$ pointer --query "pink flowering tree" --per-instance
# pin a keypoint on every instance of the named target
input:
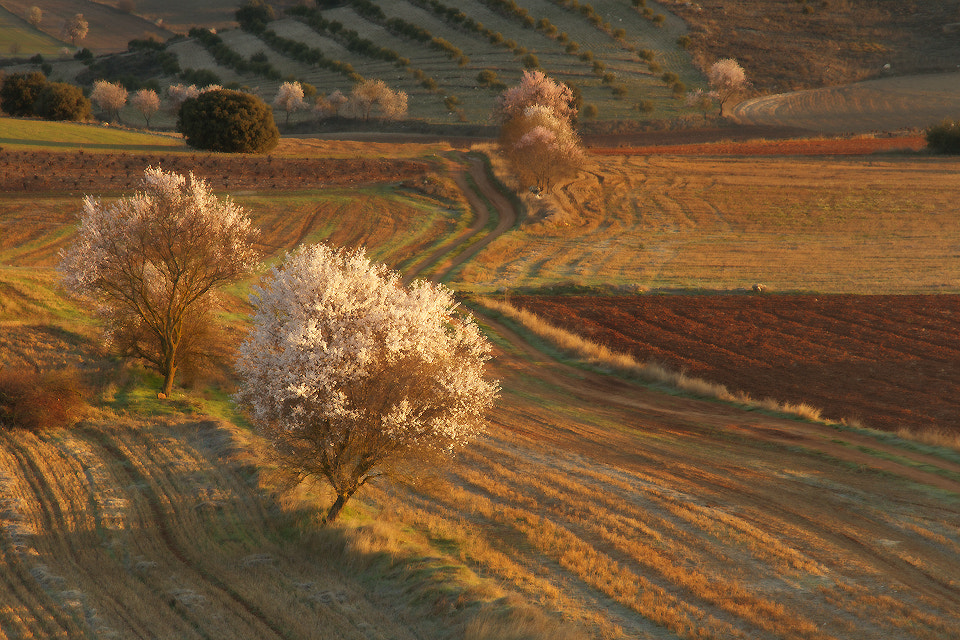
(726, 79)
(109, 96)
(549, 148)
(147, 102)
(535, 88)
(351, 375)
(536, 132)
(153, 261)
(290, 98)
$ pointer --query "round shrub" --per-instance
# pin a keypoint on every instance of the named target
(62, 101)
(944, 137)
(230, 121)
(20, 91)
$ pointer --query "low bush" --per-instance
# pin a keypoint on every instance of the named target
(39, 401)
(62, 101)
(944, 137)
(229, 121)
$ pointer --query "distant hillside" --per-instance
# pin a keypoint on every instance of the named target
(799, 44)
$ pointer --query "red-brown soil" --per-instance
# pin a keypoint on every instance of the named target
(889, 361)
(808, 147)
(79, 172)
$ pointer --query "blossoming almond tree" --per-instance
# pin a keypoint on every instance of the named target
(152, 260)
(147, 102)
(726, 78)
(290, 98)
(350, 375)
(109, 96)
(536, 133)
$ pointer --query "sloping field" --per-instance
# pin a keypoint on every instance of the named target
(890, 362)
(887, 104)
(645, 516)
(867, 224)
(110, 29)
(18, 37)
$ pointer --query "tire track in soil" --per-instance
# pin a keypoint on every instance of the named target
(671, 412)
(506, 219)
(260, 625)
(54, 520)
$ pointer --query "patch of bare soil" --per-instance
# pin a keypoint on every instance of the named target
(890, 361)
(805, 147)
(79, 172)
(785, 45)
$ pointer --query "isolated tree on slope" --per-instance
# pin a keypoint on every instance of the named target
(76, 28)
(153, 260)
(147, 102)
(35, 16)
(727, 79)
(290, 98)
(352, 376)
(549, 148)
(536, 133)
(109, 96)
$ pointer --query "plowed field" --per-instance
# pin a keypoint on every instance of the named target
(84, 172)
(889, 361)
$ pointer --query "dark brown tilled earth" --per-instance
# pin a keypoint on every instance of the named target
(888, 361)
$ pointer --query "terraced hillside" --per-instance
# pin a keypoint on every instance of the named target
(434, 51)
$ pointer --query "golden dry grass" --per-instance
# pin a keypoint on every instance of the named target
(871, 224)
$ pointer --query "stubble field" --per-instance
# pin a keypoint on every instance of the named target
(593, 507)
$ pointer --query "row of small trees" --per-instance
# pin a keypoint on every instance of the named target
(349, 374)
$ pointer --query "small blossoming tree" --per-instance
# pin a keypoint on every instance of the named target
(350, 375)
(147, 102)
(109, 96)
(153, 261)
(727, 79)
(290, 98)
(537, 134)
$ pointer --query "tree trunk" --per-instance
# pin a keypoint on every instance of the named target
(336, 507)
(171, 370)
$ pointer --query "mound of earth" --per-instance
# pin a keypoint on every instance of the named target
(888, 361)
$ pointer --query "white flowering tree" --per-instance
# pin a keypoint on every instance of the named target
(109, 96)
(726, 79)
(153, 261)
(147, 102)
(535, 88)
(290, 98)
(350, 375)
(375, 93)
(76, 28)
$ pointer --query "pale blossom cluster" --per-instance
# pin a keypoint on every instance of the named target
(109, 96)
(726, 78)
(535, 88)
(177, 94)
(375, 93)
(152, 258)
(537, 134)
(147, 102)
(548, 147)
(289, 98)
(341, 351)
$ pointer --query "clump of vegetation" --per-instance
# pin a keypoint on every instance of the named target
(19, 91)
(62, 101)
(39, 401)
(230, 121)
(944, 137)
